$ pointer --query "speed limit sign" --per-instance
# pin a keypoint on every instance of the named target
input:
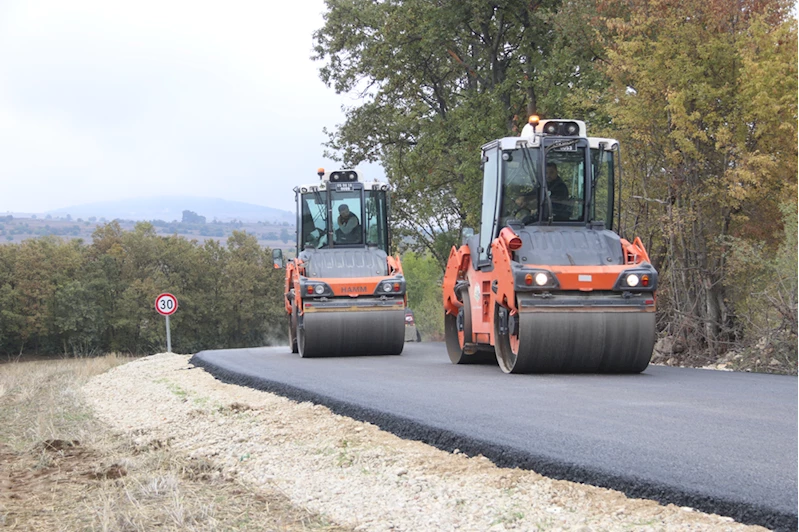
(166, 304)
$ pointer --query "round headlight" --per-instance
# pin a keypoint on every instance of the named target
(541, 279)
(319, 289)
(352, 176)
(632, 280)
(386, 287)
(572, 129)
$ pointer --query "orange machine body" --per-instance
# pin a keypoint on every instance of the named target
(344, 293)
(547, 285)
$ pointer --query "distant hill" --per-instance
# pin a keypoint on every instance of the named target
(169, 208)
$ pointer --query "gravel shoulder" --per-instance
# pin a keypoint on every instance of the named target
(351, 472)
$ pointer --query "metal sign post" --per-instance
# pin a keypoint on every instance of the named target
(168, 336)
(166, 304)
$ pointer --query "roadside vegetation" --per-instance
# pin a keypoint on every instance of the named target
(424, 278)
(62, 469)
(70, 299)
(67, 298)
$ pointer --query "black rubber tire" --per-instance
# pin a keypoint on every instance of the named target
(454, 346)
(418, 336)
(506, 357)
(293, 329)
(301, 343)
(455, 350)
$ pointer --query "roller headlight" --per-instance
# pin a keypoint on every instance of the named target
(641, 279)
(529, 279)
(316, 289)
(391, 286)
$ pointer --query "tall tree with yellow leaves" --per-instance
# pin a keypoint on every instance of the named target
(703, 95)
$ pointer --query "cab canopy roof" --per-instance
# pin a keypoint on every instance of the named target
(332, 180)
(339, 176)
(536, 129)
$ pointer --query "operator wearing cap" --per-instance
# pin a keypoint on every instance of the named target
(349, 228)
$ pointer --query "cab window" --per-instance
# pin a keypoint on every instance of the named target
(375, 219)
(565, 177)
(346, 214)
(313, 221)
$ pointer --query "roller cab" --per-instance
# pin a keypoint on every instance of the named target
(345, 294)
(546, 285)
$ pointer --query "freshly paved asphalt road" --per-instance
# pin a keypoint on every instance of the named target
(717, 441)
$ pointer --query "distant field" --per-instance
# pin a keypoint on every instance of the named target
(15, 230)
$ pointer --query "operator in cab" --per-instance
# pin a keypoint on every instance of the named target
(349, 227)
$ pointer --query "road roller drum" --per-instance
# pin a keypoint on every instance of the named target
(375, 332)
(578, 342)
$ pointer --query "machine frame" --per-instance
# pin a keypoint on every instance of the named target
(517, 286)
(344, 296)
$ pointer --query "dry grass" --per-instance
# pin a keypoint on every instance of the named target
(61, 469)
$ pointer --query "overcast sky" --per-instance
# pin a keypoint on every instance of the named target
(105, 100)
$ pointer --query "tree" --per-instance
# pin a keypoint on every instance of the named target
(439, 79)
(41, 266)
(423, 276)
(698, 91)
(252, 294)
(78, 319)
(191, 217)
(11, 315)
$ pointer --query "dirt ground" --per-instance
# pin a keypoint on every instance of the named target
(346, 473)
(156, 444)
(62, 469)
(68, 486)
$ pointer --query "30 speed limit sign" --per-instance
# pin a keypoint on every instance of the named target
(166, 304)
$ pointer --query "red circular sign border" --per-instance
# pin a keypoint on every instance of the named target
(159, 310)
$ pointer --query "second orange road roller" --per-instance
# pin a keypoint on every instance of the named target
(344, 292)
(547, 286)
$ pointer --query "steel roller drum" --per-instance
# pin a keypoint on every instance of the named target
(580, 342)
(344, 333)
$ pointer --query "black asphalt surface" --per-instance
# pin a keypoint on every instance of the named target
(720, 442)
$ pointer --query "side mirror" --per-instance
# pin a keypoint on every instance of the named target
(277, 258)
